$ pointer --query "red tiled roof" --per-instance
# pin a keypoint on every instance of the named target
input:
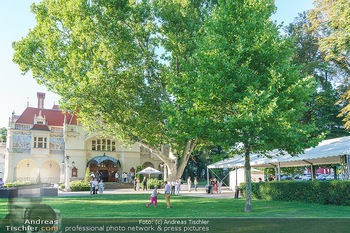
(56, 106)
(53, 117)
(40, 127)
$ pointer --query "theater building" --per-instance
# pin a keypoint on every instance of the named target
(40, 140)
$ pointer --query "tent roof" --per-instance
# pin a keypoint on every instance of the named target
(327, 152)
(149, 170)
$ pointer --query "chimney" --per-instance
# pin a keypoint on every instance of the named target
(41, 97)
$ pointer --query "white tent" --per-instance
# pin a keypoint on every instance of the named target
(330, 151)
(149, 171)
(327, 152)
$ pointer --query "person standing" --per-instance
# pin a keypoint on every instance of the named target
(135, 183)
(167, 194)
(94, 186)
(189, 183)
(116, 177)
(173, 183)
(101, 186)
(144, 183)
(97, 176)
(178, 183)
(195, 183)
(219, 187)
(154, 197)
(101, 175)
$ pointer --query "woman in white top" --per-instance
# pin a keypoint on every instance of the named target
(189, 183)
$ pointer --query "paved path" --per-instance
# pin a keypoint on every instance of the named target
(199, 193)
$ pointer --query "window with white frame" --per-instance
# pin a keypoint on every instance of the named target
(40, 142)
(103, 145)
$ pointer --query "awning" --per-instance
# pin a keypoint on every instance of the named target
(327, 152)
(101, 159)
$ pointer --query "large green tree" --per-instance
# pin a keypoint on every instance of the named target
(243, 86)
(323, 111)
(99, 56)
(330, 23)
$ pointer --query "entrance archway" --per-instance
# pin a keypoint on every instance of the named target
(50, 172)
(105, 164)
(27, 170)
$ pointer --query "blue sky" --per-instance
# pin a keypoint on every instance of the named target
(15, 22)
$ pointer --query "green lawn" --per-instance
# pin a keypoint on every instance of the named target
(133, 205)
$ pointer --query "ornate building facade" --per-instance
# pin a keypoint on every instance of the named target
(40, 140)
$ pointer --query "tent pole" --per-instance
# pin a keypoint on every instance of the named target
(236, 179)
(207, 176)
(279, 171)
(348, 164)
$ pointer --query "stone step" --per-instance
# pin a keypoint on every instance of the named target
(114, 185)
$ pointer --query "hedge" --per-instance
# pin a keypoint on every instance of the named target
(335, 192)
(77, 185)
(152, 182)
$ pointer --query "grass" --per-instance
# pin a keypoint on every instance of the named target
(133, 206)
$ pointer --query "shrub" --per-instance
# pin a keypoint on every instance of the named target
(77, 185)
(320, 192)
(152, 182)
(18, 183)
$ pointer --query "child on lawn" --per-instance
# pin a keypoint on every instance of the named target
(154, 197)
(101, 186)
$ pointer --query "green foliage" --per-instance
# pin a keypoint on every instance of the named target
(77, 185)
(87, 177)
(152, 182)
(3, 134)
(319, 192)
(18, 183)
(139, 176)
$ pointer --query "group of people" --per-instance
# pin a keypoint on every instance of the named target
(125, 177)
(214, 186)
(137, 183)
(167, 194)
(96, 185)
(97, 175)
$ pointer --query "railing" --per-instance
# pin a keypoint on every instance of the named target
(23, 127)
(56, 130)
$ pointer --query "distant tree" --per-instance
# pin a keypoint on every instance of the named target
(330, 23)
(3, 133)
(323, 112)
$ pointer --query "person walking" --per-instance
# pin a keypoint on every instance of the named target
(189, 183)
(154, 197)
(167, 194)
(195, 183)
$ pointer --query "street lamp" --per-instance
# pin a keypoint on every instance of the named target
(67, 167)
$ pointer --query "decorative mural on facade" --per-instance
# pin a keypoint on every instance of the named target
(56, 143)
(21, 143)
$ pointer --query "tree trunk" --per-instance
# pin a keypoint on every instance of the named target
(248, 197)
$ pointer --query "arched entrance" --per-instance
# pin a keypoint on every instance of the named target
(105, 164)
(50, 172)
(27, 170)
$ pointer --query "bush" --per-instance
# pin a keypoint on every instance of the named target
(320, 192)
(152, 182)
(18, 183)
(77, 185)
